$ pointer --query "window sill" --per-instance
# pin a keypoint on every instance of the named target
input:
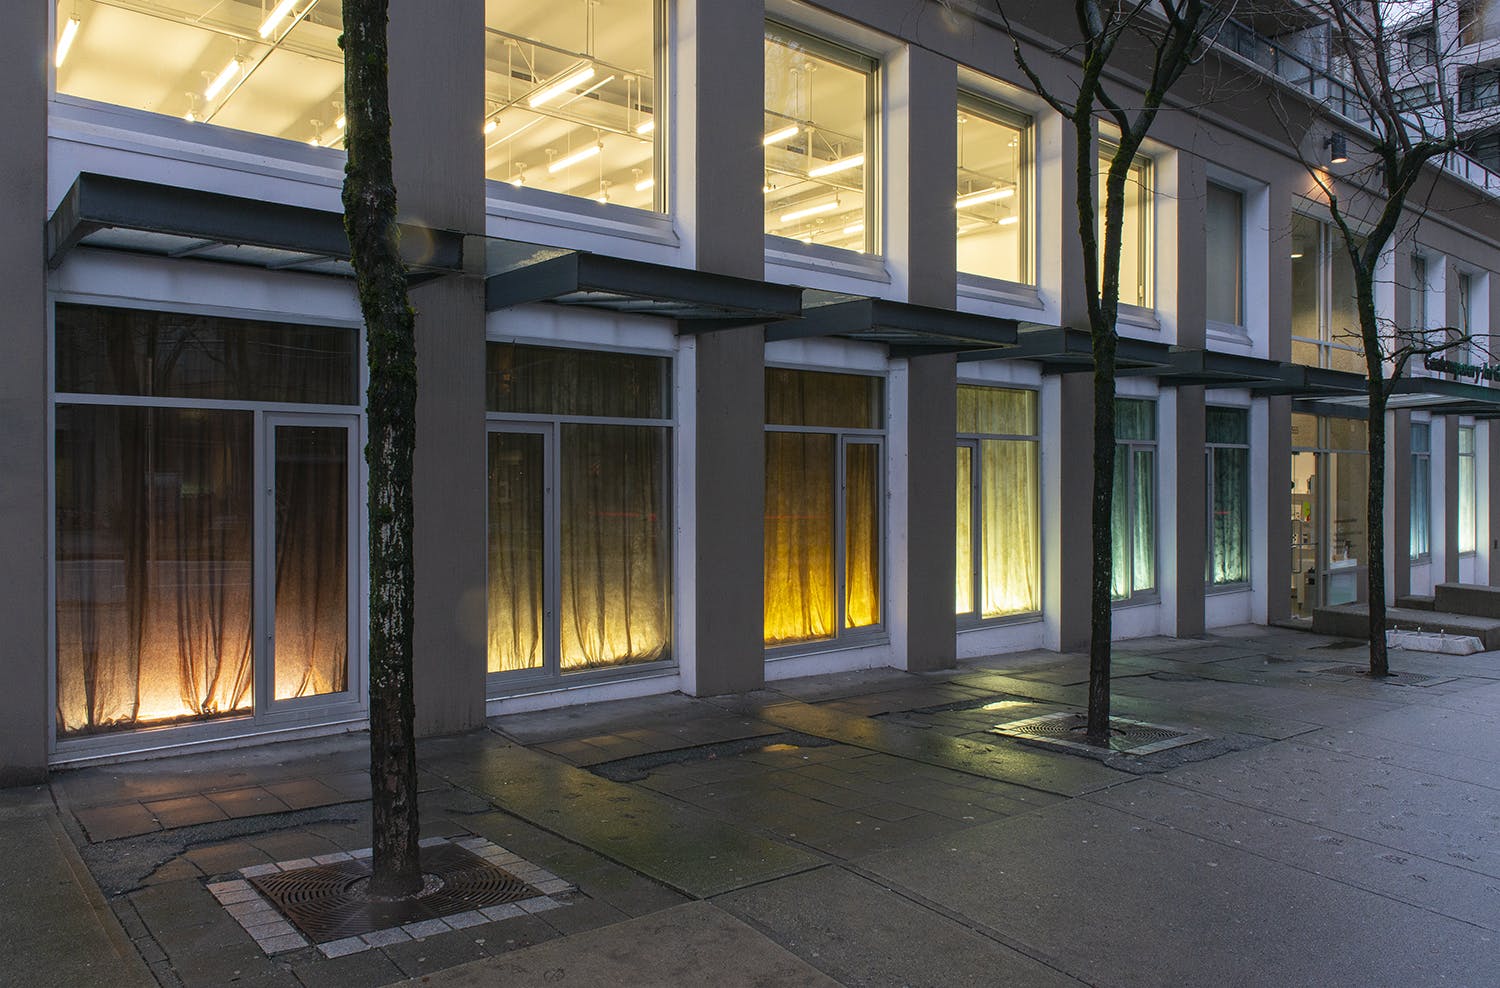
(982, 289)
(501, 686)
(1225, 589)
(1136, 317)
(574, 213)
(784, 252)
(845, 644)
(1229, 335)
(1004, 621)
(1419, 560)
(1142, 600)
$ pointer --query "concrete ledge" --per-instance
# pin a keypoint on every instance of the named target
(1353, 621)
(1468, 598)
(1416, 602)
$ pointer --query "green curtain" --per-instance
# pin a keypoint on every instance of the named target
(1229, 515)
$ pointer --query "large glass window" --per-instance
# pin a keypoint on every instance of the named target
(178, 588)
(1330, 511)
(579, 509)
(1421, 491)
(1418, 295)
(999, 555)
(1226, 248)
(1228, 454)
(572, 98)
(819, 141)
(1134, 519)
(1468, 499)
(1136, 243)
(993, 202)
(1325, 316)
(267, 67)
(825, 487)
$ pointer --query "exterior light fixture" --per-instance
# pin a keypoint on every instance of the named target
(561, 86)
(1338, 147)
(834, 167)
(569, 160)
(783, 134)
(65, 42)
(275, 17)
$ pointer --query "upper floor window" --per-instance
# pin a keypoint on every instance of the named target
(1468, 499)
(1421, 47)
(1325, 318)
(1226, 255)
(819, 141)
(993, 199)
(1135, 242)
(267, 67)
(1478, 89)
(1418, 293)
(572, 98)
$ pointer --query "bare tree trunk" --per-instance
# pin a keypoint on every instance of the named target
(1375, 531)
(1101, 596)
(370, 220)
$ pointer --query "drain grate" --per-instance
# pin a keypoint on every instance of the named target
(1394, 679)
(1068, 730)
(330, 902)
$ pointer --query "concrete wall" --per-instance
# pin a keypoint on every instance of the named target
(439, 165)
(24, 658)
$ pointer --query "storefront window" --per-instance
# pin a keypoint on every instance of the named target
(271, 68)
(999, 557)
(1228, 453)
(819, 141)
(1134, 518)
(1467, 494)
(572, 100)
(993, 201)
(825, 484)
(1325, 316)
(1421, 490)
(1136, 243)
(579, 509)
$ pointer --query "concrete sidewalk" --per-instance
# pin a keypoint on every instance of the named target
(862, 829)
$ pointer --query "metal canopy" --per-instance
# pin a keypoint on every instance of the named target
(518, 273)
(1430, 394)
(909, 330)
(1300, 381)
(1064, 351)
(170, 221)
(1187, 367)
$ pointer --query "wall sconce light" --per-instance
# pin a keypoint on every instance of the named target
(1338, 147)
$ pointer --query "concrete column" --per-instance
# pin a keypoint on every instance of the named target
(1397, 506)
(719, 127)
(24, 656)
(1189, 311)
(1071, 567)
(922, 251)
(1449, 494)
(1278, 479)
(437, 104)
(1489, 484)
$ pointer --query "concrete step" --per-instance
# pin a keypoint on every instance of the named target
(1353, 621)
(1467, 598)
(1417, 602)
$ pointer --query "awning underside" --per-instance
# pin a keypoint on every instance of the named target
(909, 330)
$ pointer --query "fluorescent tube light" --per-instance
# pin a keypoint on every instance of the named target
(800, 214)
(784, 134)
(854, 228)
(644, 184)
(833, 167)
(983, 196)
(225, 77)
(646, 127)
(561, 86)
(491, 125)
(275, 17)
(65, 43)
(1009, 220)
(569, 160)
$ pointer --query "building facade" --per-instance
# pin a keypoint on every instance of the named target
(745, 331)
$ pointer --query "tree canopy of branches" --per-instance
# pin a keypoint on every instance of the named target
(1166, 37)
(1376, 198)
(380, 276)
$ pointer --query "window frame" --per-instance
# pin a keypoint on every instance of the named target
(1238, 325)
(843, 437)
(987, 108)
(1146, 203)
(1471, 489)
(1130, 447)
(1210, 451)
(1421, 464)
(974, 618)
(1325, 342)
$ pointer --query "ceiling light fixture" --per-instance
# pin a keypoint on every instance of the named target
(569, 160)
(1297, 255)
(225, 77)
(644, 184)
(854, 228)
(784, 134)
(834, 167)
(983, 196)
(275, 17)
(65, 43)
(646, 127)
(1009, 220)
(491, 125)
(561, 86)
(801, 214)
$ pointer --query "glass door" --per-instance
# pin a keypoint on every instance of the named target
(310, 558)
(519, 544)
(1306, 529)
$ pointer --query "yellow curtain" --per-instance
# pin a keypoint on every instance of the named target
(799, 527)
(515, 551)
(861, 535)
(963, 571)
(1009, 528)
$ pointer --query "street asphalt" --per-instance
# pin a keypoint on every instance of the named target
(860, 829)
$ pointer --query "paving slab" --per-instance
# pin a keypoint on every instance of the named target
(659, 837)
(1111, 898)
(691, 945)
(58, 930)
(859, 932)
(1032, 768)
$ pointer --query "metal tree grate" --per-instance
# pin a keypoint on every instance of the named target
(1069, 730)
(330, 902)
(1394, 679)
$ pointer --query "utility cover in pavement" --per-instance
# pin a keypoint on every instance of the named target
(1067, 730)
